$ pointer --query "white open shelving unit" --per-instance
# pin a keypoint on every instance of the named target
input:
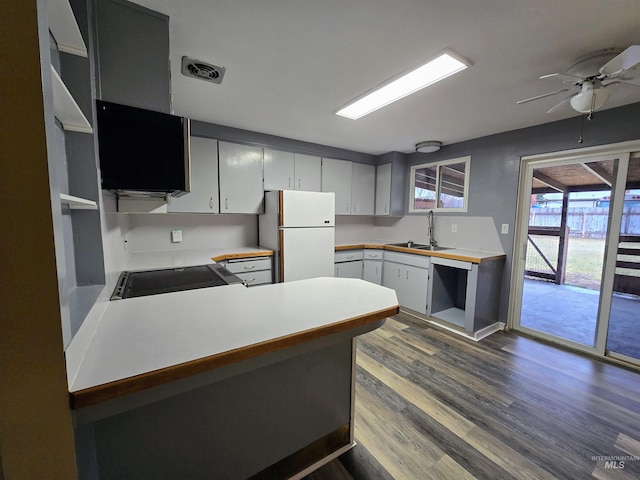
(77, 203)
(64, 29)
(65, 107)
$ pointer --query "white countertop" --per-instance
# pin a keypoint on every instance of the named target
(184, 258)
(475, 256)
(140, 335)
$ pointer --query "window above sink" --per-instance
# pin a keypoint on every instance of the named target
(440, 186)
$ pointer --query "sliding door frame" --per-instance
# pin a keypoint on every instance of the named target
(619, 151)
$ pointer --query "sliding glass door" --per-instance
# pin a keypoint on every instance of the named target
(623, 334)
(576, 268)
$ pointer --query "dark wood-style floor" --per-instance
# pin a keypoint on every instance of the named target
(430, 404)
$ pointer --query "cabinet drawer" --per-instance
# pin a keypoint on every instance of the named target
(248, 265)
(256, 278)
(348, 256)
(373, 254)
(407, 259)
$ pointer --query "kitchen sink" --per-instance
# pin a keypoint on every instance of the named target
(433, 249)
(409, 245)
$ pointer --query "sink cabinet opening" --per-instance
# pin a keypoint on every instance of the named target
(449, 294)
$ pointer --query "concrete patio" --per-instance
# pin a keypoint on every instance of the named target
(571, 312)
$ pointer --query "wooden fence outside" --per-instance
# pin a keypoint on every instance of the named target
(586, 222)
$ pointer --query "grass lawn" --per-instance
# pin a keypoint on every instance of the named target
(584, 259)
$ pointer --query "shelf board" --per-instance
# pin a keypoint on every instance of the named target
(77, 203)
(65, 107)
(452, 315)
(64, 28)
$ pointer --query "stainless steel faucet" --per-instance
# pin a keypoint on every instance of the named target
(432, 240)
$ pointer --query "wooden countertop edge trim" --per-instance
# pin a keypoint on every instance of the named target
(126, 386)
(229, 256)
(425, 253)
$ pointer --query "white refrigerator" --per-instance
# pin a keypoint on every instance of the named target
(299, 227)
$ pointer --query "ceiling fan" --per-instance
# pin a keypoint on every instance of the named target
(592, 76)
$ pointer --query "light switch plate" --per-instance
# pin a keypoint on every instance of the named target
(505, 228)
(454, 228)
(176, 235)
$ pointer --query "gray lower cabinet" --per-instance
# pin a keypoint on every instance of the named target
(408, 275)
(252, 271)
(349, 264)
(465, 294)
(372, 271)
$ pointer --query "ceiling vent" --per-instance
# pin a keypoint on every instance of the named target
(202, 70)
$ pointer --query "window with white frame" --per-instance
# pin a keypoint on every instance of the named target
(440, 186)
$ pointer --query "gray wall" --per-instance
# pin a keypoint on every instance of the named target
(221, 132)
(495, 165)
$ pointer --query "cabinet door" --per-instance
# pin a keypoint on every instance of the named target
(372, 271)
(336, 177)
(308, 172)
(203, 197)
(240, 178)
(392, 274)
(362, 188)
(415, 288)
(349, 269)
(278, 170)
(383, 189)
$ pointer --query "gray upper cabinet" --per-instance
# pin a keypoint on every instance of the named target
(133, 55)
(308, 173)
(336, 177)
(362, 188)
(291, 171)
(383, 189)
(241, 184)
(203, 197)
(391, 185)
(279, 170)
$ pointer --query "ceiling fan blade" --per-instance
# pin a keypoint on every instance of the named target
(557, 106)
(565, 77)
(628, 59)
(541, 96)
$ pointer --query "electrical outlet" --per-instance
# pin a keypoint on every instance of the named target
(176, 235)
(505, 228)
(454, 228)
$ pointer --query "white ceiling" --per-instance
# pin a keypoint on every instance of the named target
(291, 63)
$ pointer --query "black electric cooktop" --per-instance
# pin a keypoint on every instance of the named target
(153, 282)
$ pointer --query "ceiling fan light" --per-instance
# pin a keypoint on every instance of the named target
(592, 97)
(428, 146)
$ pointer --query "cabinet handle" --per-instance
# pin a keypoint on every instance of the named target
(298, 184)
(250, 267)
(371, 255)
(349, 257)
(347, 205)
(407, 274)
(251, 280)
(226, 204)
(289, 182)
(376, 269)
(386, 207)
(210, 203)
(398, 273)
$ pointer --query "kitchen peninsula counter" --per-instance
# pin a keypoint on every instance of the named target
(147, 341)
(224, 382)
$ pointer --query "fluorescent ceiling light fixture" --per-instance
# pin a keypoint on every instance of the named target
(444, 65)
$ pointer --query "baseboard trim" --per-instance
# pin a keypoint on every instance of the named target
(475, 336)
(310, 458)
